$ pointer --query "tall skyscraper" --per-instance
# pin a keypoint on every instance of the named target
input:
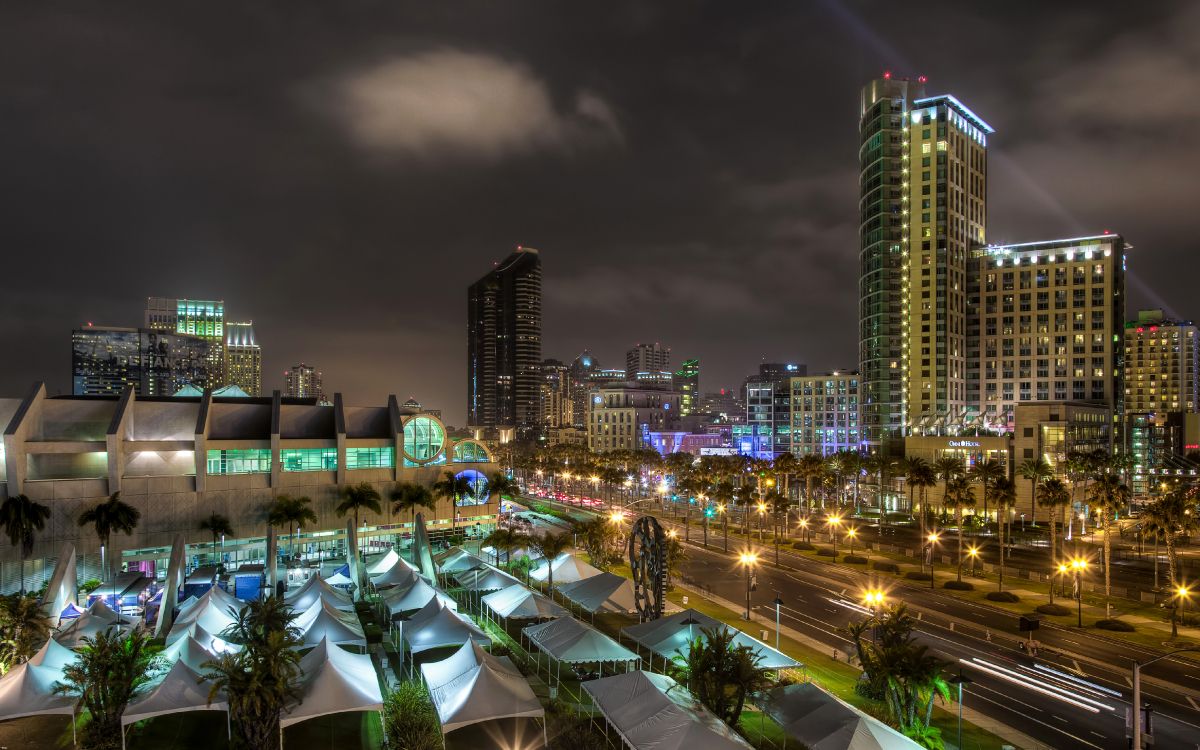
(156, 363)
(556, 395)
(647, 358)
(1162, 364)
(243, 358)
(504, 345)
(203, 318)
(304, 381)
(922, 208)
(581, 370)
(687, 384)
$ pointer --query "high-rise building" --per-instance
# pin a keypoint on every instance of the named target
(922, 208)
(768, 429)
(647, 358)
(723, 406)
(687, 383)
(556, 395)
(580, 371)
(156, 363)
(773, 372)
(825, 414)
(1162, 364)
(504, 345)
(304, 381)
(243, 358)
(203, 318)
(622, 417)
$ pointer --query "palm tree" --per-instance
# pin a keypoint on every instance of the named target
(720, 672)
(409, 496)
(550, 546)
(1108, 496)
(1005, 494)
(22, 517)
(114, 514)
(454, 488)
(291, 513)
(499, 485)
(1035, 470)
(921, 477)
(1054, 495)
(359, 497)
(110, 669)
(948, 467)
(987, 472)
(24, 627)
(959, 494)
(883, 467)
(810, 467)
(503, 540)
(1167, 518)
(217, 525)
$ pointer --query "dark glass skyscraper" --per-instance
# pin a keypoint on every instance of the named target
(504, 344)
(155, 363)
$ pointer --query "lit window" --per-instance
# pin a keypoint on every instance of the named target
(248, 461)
(370, 458)
(308, 459)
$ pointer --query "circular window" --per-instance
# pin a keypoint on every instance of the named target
(470, 452)
(479, 487)
(423, 439)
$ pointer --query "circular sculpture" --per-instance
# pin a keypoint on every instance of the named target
(648, 562)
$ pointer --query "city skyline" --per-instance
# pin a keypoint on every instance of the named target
(717, 162)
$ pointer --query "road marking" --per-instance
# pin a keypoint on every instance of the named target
(1127, 679)
(1064, 721)
(1192, 700)
(1078, 669)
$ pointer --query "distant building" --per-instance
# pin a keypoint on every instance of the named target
(105, 359)
(723, 406)
(647, 358)
(622, 417)
(687, 383)
(825, 414)
(767, 431)
(580, 371)
(202, 318)
(558, 408)
(774, 372)
(504, 345)
(305, 381)
(243, 358)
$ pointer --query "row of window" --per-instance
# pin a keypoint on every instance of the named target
(258, 460)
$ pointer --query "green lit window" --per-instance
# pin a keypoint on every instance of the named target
(242, 461)
(309, 459)
(423, 438)
(370, 458)
(470, 452)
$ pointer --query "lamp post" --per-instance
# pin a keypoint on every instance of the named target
(973, 553)
(873, 598)
(804, 525)
(1063, 569)
(1180, 609)
(851, 534)
(1079, 565)
(833, 524)
(762, 512)
(933, 540)
(961, 680)
(778, 604)
(1137, 692)
(724, 525)
(748, 560)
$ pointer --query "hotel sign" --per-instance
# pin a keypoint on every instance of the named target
(964, 444)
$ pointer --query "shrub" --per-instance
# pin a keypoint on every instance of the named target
(855, 560)
(807, 546)
(409, 720)
(958, 586)
(826, 552)
(1054, 609)
(89, 585)
(1002, 596)
(886, 567)
(917, 575)
(373, 633)
(1118, 626)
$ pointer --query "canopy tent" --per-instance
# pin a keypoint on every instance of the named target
(669, 635)
(189, 651)
(28, 690)
(567, 569)
(334, 681)
(214, 612)
(607, 592)
(54, 655)
(436, 626)
(98, 618)
(389, 559)
(822, 722)
(457, 560)
(473, 686)
(69, 612)
(63, 590)
(399, 600)
(653, 712)
(484, 579)
(509, 555)
(400, 574)
(519, 603)
(322, 622)
(182, 689)
(339, 579)
(317, 588)
(211, 643)
(570, 641)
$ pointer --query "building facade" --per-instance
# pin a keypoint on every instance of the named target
(825, 414)
(558, 406)
(104, 360)
(305, 381)
(651, 359)
(622, 417)
(202, 318)
(243, 358)
(687, 382)
(504, 345)
(767, 431)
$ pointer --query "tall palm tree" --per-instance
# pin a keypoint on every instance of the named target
(499, 485)
(1108, 496)
(921, 477)
(1004, 491)
(454, 488)
(291, 513)
(217, 525)
(107, 674)
(720, 672)
(359, 497)
(987, 472)
(24, 627)
(503, 540)
(959, 494)
(1035, 470)
(883, 467)
(1053, 496)
(723, 493)
(1167, 518)
(407, 497)
(550, 546)
(21, 518)
(114, 514)
(810, 467)
(948, 467)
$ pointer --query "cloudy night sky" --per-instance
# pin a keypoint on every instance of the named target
(341, 172)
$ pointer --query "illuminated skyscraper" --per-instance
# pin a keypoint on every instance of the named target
(243, 358)
(687, 384)
(304, 381)
(203, 318)
(504, 345)
(156, 363)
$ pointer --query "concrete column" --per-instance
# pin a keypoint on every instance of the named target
(118, 428)
(17, 433)
(276, 461)
(200, 446)
(339, 427)
(397, 430)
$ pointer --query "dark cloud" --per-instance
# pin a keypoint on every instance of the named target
(341, 172)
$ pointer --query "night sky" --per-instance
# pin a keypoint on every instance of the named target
(340, 172)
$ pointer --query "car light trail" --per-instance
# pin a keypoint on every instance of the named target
(1079, 681)
(1079, 701)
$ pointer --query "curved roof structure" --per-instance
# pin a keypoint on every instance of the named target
(472, 686)
(334, 681)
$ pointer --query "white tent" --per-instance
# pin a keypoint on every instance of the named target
(189, 651)
(457, 560)
(28, 690)
(473, 686)
(96, 619)
(399, 600)
(214, 612)
(567, 569)
(436, 626)
(569, 640)
(209, 642)
(519, 603)
(668, 635)
(822, 722)
(515, 554)
(54, 655)
(182, 689)
(322, 622)
(399, 574)
(389, 559)
(607, 592)
(339, 579)
(334, 681)
(653, 712)
(317, 588)
(484, 578)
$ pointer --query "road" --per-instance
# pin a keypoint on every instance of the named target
(1080, 704)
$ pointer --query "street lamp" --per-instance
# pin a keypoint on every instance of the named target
(973, 553)
(1137, 693)
(762, 512)
(778, 605)
(1063, 569)
(851, 533)
(873, 598)
(748, 561)
(1180, 609)
(961, 680)
(833, 524)
(1079, 565)
(933, 540)
(724, 525)
(804, 525)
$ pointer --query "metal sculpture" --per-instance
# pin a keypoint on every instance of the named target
(648, 562)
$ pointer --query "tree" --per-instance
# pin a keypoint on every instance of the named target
(550, 546)
(720, 672)
(217, 525)
(21, 518)
(409, 721)
(24, 627)
(959, 494)
(114, 514)
(291, 513)
(108, 672)
(262, 679)
(359, 497)
(1053, 496)
(948, 467)
(1035, 470)
(1108, 496)
(810, 467)
(987, 472)
(919, 475)
(407, 497)
(503, 540)
(1005, 493)
(454, 487)
(883, 467)
(499, 485)
(1167, 518)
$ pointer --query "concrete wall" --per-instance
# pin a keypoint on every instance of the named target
(162, 421)
(367, 422)
(239, 421)
(159, 463)
(82, 419)
(306, 422)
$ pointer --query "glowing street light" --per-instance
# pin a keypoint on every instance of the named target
(804, 525)
(1182, 594)
(833, 524)
(1079, 565)
(933, 540)
(616, 517)
(724, 526)
(851, 534)
(748, 560)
